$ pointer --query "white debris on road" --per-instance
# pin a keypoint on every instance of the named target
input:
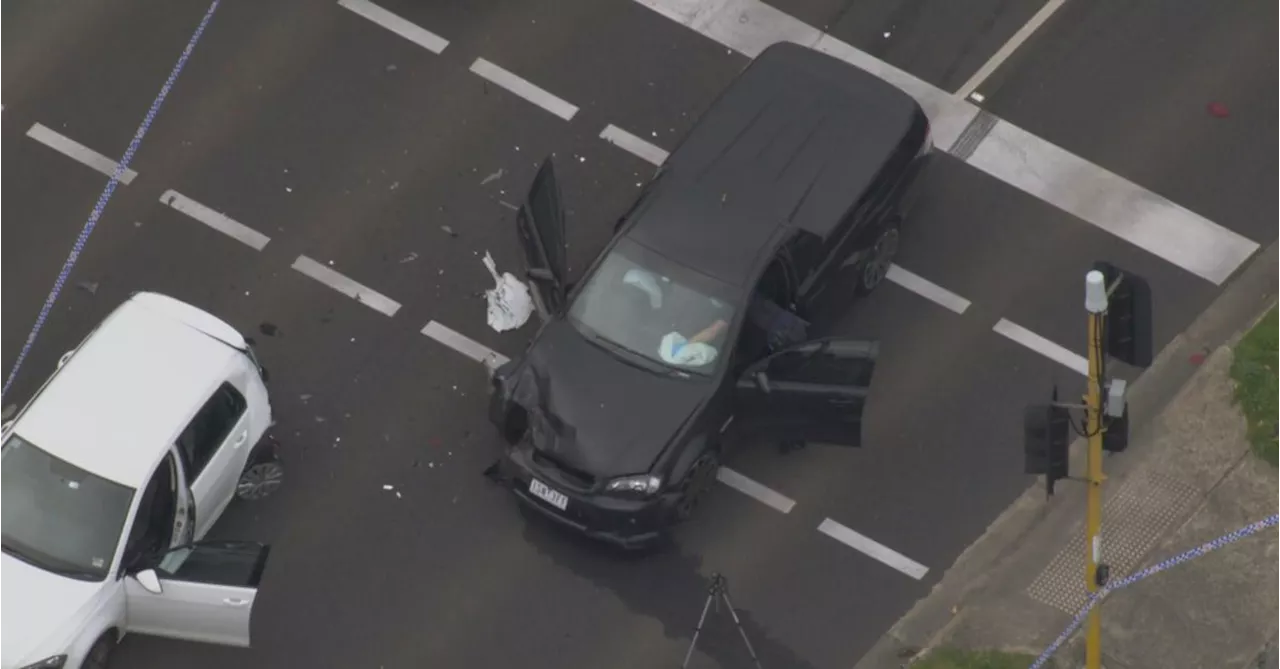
(510, 304)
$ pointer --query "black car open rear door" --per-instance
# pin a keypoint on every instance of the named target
(814, 392)
(540, 221)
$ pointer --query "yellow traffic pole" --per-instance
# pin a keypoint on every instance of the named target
(1096, 304)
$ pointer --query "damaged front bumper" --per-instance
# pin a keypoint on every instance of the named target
(626, 523)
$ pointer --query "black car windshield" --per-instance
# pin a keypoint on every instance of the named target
(57, 516)
(665, 312)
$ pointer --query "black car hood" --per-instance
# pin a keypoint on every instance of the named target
(594, 412)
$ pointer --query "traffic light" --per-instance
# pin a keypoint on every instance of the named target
(1128, 319)
(1116, 437)
(1046, 430)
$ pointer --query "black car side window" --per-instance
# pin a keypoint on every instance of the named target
(209, 428)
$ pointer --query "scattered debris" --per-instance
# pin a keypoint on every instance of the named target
(509, 301)
(90, 287)
(448, 231)
(492, 177)
(267, 328)
(413, 255)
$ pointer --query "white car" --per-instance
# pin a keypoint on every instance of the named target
(112, 474)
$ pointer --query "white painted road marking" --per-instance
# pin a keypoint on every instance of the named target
(873, 549)
(79, 152)
(1048, 349)
(524, 89)
(751, 488)
(465, 345)
(1008, 153)
(927, 289)
(220, 222)
(1008, 48)
(422, 37)
(360, 293)
(629, 142)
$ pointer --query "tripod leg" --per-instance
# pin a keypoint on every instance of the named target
(738, 623)
(697, 630)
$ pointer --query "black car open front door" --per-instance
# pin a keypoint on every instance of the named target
(541, 226)
(813, 392)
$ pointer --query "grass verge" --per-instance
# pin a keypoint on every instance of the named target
(1254, 369)
(954, 658)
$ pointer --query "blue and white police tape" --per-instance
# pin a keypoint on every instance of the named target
(1174, 561)
(107, 192)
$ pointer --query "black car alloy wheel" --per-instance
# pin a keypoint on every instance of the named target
(696, 484)
(877, 265)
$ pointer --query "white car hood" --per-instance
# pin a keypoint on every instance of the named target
(38, 609)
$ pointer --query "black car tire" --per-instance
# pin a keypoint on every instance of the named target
(699, 480)
(99, 655)
(872, 271)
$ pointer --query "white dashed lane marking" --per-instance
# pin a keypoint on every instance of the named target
(349, 287)
(79, 152)
(872, 548)
(420, 36)
(633, 144)
(523, 88)
(1059, 354)
(218, 221)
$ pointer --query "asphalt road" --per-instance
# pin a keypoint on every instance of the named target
(350, 145)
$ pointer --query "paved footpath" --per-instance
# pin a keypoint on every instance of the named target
(1187, 478)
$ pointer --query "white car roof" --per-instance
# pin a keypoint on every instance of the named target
(131, 387)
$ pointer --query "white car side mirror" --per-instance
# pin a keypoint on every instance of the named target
(149, 581)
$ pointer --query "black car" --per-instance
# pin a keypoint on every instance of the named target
(691, 322)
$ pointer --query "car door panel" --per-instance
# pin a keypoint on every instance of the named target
(208, 590)
(216, 484)
(816, 391)
(540, 224)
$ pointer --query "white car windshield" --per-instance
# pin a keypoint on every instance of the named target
(668, 313)
(57, 516)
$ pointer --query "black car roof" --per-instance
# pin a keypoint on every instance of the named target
(794, 140)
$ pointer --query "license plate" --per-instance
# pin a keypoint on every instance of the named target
(544, 492)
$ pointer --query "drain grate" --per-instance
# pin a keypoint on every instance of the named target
(1133, 520)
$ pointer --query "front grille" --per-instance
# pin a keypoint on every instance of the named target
(571, 475)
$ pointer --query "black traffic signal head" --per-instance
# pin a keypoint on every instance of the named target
(1116, 436)
(1046, 432)
(1128, 320)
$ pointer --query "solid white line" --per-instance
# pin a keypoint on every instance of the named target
(524, 89)
(220, 222)
(927, 289)
(420, 36)
(1008, 48)
(1008, 153)
(873, 549)
(1048, 349)
(360, 293)
(629, 142)
(79, 152)
(465, 345)
(750, 488)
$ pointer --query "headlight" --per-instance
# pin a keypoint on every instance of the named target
(642, 485)
(54, 662)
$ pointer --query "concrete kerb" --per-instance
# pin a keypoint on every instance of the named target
(1246, 298)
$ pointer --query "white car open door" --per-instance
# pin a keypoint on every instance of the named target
(200, 592)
